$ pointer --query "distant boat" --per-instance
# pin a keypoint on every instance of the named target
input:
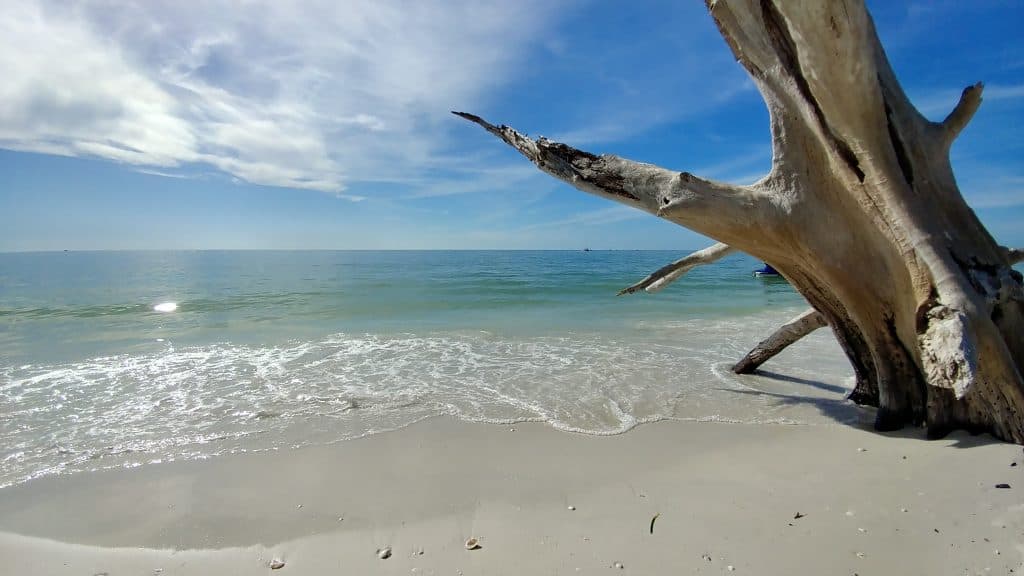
(586, 249)
(766, 271)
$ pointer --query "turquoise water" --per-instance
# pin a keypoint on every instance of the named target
(271, 349)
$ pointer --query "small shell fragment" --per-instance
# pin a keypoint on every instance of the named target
(384, 553)
(572, 507)
(276, 564)
(618, 565)
(473, 543)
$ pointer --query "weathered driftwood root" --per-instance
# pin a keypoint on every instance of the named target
(807, 322)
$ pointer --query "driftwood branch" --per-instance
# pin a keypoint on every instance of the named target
(788, 333)
(713, 208)
(669, 273)
(962, 113)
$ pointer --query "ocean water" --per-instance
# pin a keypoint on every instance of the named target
(111, 359)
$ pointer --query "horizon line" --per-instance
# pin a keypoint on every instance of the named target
(140, 250)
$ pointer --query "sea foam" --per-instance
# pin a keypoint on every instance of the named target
(188, 402)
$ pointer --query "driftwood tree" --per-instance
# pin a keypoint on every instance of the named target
(860, 212)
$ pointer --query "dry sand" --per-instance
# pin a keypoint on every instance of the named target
(726, 496)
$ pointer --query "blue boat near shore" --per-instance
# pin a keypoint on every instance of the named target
(767, 270)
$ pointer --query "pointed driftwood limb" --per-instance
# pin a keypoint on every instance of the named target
(716, 208)
(607, 176)
(669, 273)
(962, 113)
(788, 333)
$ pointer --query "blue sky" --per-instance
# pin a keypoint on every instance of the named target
(188, 125)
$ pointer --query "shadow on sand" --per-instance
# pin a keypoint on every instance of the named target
(847, 413)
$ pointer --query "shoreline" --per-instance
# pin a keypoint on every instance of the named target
(138, 409)
(724, 495)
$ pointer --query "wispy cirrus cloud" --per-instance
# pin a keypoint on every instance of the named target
(497, 178)
(938, 104)
(993, 188)
(599, 217)
(650, 79)
(311, 95)
(628, 115)
(742, 168)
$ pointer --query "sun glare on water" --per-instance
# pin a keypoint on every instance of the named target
(166, 307)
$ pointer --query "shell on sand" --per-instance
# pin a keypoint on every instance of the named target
(473, 543)
(384, 553)
(276, 564)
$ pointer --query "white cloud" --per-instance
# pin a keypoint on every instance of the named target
(597, 217)
(498, 178)
(741, 168)
(675, 71)
(1003, 92)
(991, 189)
(627, 115)
(309, 95)
(938, 104)
(152, 172)
(65, 91)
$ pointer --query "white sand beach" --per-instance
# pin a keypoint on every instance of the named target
(727, 498)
